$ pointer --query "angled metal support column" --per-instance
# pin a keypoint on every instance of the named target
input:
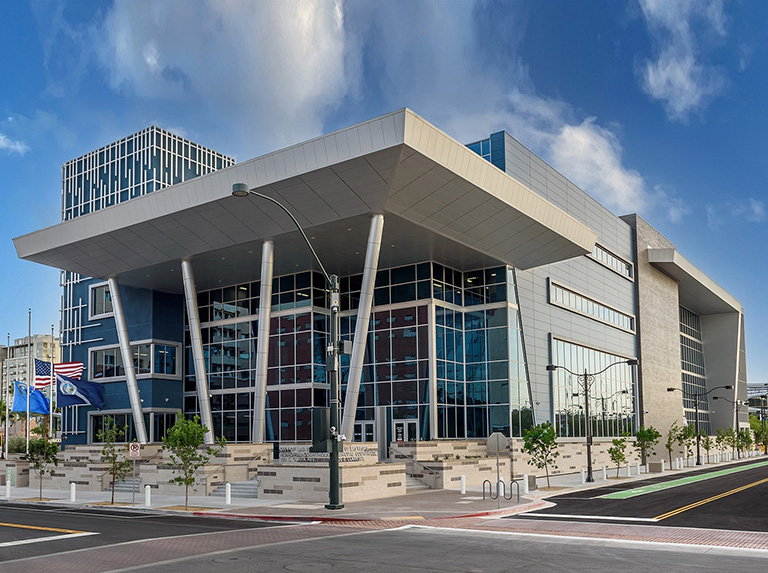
(125, 351)
(262, 342)
(361, 327)
(196, 341)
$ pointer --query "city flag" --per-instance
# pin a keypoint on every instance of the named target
(72, 392)
(43, 371)
(38, 403)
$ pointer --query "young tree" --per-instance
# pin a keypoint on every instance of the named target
(540, 442)
(686, 437)
(721, 439)
(618, 453)
(182, 442)
(645, 440)
(744, 439)
(113, 454)
(732, 441)
(672, 433)
(43, 452)
(706, 443)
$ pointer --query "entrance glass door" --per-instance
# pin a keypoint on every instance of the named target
(405, 430)
(364, 432)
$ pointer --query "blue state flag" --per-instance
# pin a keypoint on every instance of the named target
(38, 403)
(73, 392)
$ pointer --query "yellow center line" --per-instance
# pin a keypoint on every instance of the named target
(40, 528)
(713, 498)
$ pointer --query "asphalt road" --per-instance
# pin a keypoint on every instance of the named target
(29, 531)
(734, 501)
(429, 549)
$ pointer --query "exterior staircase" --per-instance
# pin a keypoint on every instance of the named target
(240, 489)
(412, 484)
(128, 484)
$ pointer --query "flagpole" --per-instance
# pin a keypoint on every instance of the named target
(50, 393)
(29, 369)
(7, 394)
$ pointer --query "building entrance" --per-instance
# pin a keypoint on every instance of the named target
(365, 431)
(405, 430)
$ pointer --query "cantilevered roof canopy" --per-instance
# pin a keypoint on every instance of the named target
(439, 199)
(698, 292)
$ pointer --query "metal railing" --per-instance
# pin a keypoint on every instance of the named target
(205, 478)
(414, 460)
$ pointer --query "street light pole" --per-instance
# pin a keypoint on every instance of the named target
(697, 398)
(586, 380)
(333, 351)
(737, 404)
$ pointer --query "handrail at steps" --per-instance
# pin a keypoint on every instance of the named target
(205, 477)
(426, 467)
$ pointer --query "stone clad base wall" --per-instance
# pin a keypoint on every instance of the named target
(473, 458)
(310, 482)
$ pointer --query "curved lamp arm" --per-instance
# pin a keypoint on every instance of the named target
(242, 190)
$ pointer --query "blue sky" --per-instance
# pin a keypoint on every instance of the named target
(654, 107)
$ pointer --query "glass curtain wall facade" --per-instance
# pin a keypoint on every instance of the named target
(611, 394)
(471, 317)
(693, 372)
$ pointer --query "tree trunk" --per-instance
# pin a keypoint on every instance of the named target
(186, 497)
(41, 485)
(113, 489)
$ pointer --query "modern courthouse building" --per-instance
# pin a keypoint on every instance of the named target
(465, 271)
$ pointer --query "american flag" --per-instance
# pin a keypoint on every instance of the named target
(43, 371)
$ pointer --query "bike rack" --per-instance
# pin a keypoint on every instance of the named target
(503, 491)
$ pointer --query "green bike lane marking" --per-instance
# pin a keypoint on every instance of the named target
(651, 488)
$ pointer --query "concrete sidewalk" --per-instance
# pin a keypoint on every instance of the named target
(420, 505)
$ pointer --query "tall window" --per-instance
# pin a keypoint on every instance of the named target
(611, 397)
(694, 382)
(101, 301)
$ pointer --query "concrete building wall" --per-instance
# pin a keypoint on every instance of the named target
(658, 333)
(720, 337)
(542, 320)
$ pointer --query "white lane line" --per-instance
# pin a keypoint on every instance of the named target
(608, 517)
(42, 539)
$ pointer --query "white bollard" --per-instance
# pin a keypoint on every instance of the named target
(605, 473)
(637, 465)
(228, 494)
(628, 473)
(147, 496)
(72, 491)
(663, 465)
(463, 485)
(583, 478)
(525, 483)
(7, 490)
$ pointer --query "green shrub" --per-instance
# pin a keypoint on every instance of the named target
(17, 445)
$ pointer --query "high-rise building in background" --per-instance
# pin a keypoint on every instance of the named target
(132, 167)
(465, 271)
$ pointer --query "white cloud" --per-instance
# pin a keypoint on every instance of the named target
(277, 66)
(750, 210)
(677, 76)
(670, 204)
(276, 71)
(12, 146)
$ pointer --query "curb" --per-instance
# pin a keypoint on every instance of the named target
(325, 519)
